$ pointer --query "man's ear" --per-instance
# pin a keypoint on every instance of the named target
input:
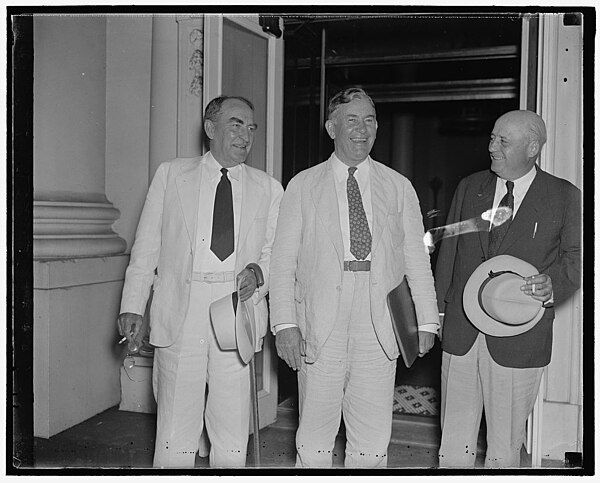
(534, 149)
(329, 127)
(209, 128)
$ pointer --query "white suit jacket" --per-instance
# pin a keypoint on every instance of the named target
(163, 251)
(307, 259)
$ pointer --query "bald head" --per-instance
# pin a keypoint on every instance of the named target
(531, 124)
(515, 143)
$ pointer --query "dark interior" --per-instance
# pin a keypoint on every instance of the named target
(438, 82)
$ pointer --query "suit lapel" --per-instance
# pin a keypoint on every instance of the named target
(528, 210)
(379, 204)
(252, 195)
(188, 190)
(483, 202)
(325, 199)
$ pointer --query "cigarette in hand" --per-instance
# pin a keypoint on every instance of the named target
(122, 340)
(533, 288)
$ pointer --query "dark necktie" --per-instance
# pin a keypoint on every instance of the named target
(222, 230)
(497, 233)
(360, 236)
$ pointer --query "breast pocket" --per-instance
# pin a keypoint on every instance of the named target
(396, 229)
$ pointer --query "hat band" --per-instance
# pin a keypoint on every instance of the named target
(492, 275)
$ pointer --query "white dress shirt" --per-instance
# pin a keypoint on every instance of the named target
(204, 259)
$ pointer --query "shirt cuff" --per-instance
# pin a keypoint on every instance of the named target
(279, 327)
(433, 328)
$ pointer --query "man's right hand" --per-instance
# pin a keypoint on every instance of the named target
(289, 346)
(130, 326)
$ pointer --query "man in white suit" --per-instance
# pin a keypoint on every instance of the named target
(205, 220)
(349, 230)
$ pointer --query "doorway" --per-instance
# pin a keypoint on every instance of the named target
(438, 83)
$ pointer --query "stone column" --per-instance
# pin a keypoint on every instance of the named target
(91, 129)
(72, 217)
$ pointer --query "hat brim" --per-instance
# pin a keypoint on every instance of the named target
(477, 316)
(222, 317)
(245, 330)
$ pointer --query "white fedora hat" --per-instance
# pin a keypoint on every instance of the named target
(234, 325)
(494, 302)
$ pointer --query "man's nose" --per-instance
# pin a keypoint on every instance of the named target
(492, 146)
(245, 133)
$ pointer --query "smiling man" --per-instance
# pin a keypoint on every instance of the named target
(207, 227)
(500, 375)
(349, 230)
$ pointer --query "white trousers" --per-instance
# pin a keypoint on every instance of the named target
(475, 382)
(351, 377)
(181, 375)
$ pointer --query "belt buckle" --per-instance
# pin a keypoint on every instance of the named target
(357, 265)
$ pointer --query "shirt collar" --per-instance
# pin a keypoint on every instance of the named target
(527, 178)
(524, 181)
(340, 169)
(214, 168)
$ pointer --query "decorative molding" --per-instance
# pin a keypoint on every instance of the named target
(74, 229)
(196, 61)
(190, 51)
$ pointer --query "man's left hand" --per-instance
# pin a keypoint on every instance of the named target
(246, 284)
(539, 287)
(426, 341)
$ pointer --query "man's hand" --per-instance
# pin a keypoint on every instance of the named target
(130, 326)
(246, 284)
(289, 346)
(426, 341)
(539, 287)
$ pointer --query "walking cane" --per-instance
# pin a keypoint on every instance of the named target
(255, 268)
(254, 392)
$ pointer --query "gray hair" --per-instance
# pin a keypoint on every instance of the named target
(346, 96)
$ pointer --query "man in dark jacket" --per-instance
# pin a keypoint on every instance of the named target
(503, 374)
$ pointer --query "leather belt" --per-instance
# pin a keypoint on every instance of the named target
(357, 265)
(213, 277)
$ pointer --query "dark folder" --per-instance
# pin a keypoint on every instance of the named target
(404, 322)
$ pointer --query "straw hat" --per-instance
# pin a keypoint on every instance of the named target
(494, 302)
(234, 325)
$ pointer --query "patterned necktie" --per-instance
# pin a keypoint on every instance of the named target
(222, 230)
(360, 236)
(497, 233)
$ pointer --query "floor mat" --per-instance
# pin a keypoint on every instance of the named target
(420, 400)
